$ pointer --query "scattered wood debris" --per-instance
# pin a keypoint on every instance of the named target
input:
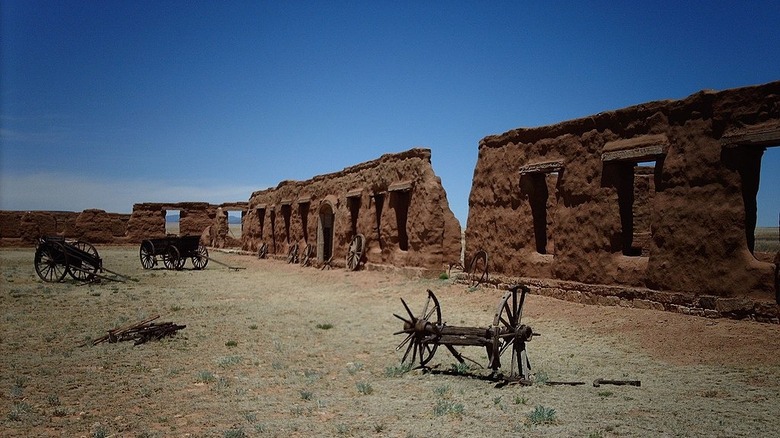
(140, 332)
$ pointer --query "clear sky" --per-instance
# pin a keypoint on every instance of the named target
(107, 103)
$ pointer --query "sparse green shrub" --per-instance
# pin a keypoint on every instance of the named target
(541, 377)
(519, 400)
(235, 433)
(605, 394)
(541, 415)
(441, 390)
(364, 388)
(460, 368)
(326, 326)
(354, 367)
(342, 429)
(444, 276)
(227, 361)
(398, 370)
(231, 343)
(206, 377)
(444, 407)
(18, 411)
(253, 327)
(306, 395)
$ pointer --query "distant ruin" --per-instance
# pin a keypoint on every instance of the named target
(660, 195)
(396, 202)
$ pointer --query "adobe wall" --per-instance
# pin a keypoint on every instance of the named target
(678, 225)
(96, 226)
(395, 201)
(148, 219)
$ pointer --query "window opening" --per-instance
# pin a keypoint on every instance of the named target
(172, 219)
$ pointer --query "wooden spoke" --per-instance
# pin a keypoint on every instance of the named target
(478, 268)
(146, 254)
(86, 265)
(51, 262)
(201, 257)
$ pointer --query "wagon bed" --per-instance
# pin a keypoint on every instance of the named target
(173, 251)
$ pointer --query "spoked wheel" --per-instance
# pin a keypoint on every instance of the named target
(509, 333)
(306, 257)
(79, 269)
(146, 254)
(201, 257)
(51, 262)
(173, 259)
(478, 268)
(262, 252)
(292, 254)
(421, 333)
(355, 252)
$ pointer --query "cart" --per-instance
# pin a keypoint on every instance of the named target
(174, 251)
(56, 257)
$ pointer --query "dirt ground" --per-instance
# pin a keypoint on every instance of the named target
(283, 350)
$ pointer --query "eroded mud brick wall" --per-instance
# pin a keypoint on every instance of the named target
(219, 233)
(658, 195)
(396, 202)
(148, 220)
(97, 226)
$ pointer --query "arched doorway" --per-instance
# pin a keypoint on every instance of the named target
(325, 232)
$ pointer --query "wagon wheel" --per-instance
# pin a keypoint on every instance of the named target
(146, 253)
(262, 252)
(306, 258)
(51, 262)
(201, 257)
(172, 258)
(419, 340)
(478, 268)
(82, 271)
(355, 252)
(509, 332)
(292, 254)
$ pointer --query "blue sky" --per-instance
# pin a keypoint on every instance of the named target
(105, 103)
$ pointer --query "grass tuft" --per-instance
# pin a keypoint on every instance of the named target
(541, 415)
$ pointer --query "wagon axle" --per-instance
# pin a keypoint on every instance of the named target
(424, 334)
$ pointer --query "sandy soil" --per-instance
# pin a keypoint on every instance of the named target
(282, 350)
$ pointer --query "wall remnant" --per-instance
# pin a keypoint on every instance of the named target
(659, 195)
(396, 201)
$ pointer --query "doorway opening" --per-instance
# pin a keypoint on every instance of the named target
(326, 219)
(235, 221)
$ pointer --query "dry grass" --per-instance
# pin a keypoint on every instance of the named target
(255, 360)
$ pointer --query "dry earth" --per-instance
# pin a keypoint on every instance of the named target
(281, 350)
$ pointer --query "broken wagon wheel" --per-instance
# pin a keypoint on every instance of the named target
(51, 262)
(262, 252)
(172, 258)
(418, 341)
(478, 269)
(306, 258)
(146, 254)
(80, 270)
(201, 257)
(508, 332)
(355, 252)
(292, 254)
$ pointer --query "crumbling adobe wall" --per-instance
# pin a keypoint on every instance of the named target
(95, 226)
(396, 201)
(706, 149)
(218, 234)
(148, 219)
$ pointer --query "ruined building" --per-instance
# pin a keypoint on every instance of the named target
(396, 202)
(658, 196)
